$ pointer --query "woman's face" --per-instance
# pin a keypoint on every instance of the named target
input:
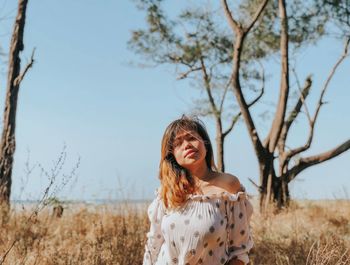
(189, 149)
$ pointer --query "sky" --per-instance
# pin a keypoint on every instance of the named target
(86, 96)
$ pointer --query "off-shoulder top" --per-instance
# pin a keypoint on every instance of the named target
(207, 230)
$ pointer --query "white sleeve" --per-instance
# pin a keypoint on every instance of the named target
(154, 236)
(239, 233)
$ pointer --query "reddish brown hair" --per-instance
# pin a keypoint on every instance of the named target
(177, 182)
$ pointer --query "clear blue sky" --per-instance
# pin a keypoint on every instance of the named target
(83, 92)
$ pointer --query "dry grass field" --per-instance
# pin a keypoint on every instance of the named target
(308, 233)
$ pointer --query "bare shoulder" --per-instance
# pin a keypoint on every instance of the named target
(228, 182)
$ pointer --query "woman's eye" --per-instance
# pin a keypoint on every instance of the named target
(176, 143)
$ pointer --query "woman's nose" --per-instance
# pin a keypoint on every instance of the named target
(187, 144)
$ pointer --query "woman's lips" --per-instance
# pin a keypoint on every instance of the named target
(190, 152)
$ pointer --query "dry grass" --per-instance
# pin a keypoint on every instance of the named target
(308, 233)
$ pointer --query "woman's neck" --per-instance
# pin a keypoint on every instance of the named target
(202, 174)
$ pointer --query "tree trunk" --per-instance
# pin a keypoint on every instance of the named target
(273, 190)
(8, 142)
(220, 146)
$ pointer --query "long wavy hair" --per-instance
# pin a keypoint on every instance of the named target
(176, 181)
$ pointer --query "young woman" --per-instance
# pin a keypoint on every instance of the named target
(199, 215)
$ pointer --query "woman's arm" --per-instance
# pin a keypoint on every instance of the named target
(154, 236)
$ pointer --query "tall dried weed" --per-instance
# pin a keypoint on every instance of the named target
(307, 233)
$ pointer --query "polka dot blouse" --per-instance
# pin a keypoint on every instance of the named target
(208, 230)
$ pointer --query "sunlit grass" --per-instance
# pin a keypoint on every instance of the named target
(307, 233)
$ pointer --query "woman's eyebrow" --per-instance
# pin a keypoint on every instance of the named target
(183, 135)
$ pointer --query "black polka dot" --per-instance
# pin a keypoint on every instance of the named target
(173, 243)
(159, 236)
(232, 226)
(240, 215)
(210, 253)
(193, 252)
(222, 261)
(222, 222)
(175, 260)
(232, 208)
(218, 205)
(244, 246)
(200, 216)
(182, 239)
(221, 244)
(212, 229)
(200, 261)
(196, 234)
(187, 221)
(217, 240)
(242, 232)
(205, 244)
(231, 242)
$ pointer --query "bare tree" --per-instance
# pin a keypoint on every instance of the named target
(274, 182)
(14, 79)
(200, 50)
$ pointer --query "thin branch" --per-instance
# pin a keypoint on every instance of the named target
(207, 87)
(185, 74)
(330, 76)
(20, 78)
(236, 117)
(262, 90)
(255, 185)
(256, 15)
(235, 26)
(304, 92)
(224, 95)
(233, 122)
(296, 110)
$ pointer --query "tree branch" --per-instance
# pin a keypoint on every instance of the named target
(236, 117)
(303, 94)
(307, 145)
(278, 121)
(256, 15)
(304, 163)
(233, 122)
(330, 76)
(294, 113)
(207, 87)
(237, 51)
(224, 95)
(185, 74)
(235, 26)
(19, 78)
(255, 185)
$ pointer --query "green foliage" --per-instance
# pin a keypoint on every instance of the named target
(199, 37)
